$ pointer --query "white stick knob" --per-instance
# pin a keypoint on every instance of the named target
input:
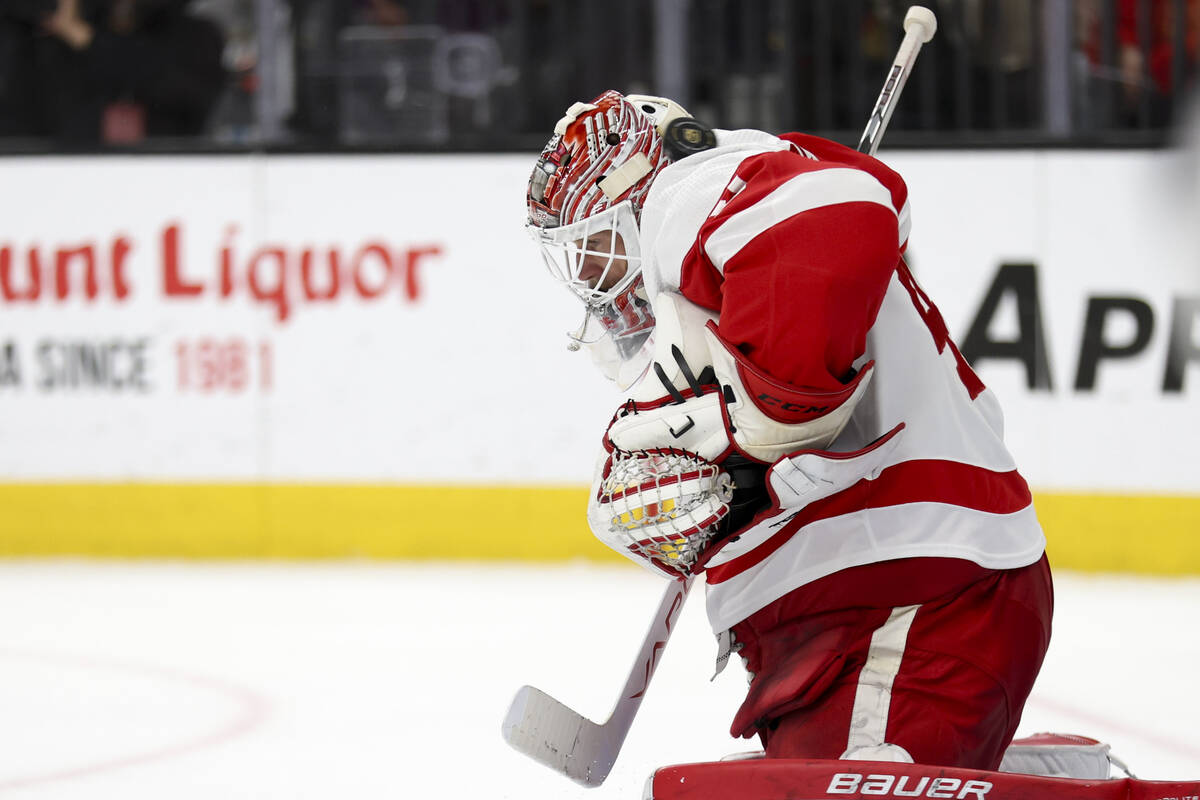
(923, 20)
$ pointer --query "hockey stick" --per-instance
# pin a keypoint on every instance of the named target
(919, 26)
(566, 741)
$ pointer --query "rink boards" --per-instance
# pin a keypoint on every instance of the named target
(332, 356)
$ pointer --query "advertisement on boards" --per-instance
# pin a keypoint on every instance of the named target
(384, 321)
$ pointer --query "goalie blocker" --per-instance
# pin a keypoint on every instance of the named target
(788, 779)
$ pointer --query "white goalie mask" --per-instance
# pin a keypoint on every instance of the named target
(584, 200)
(599, 260)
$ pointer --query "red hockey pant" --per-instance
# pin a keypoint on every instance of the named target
(945, 679)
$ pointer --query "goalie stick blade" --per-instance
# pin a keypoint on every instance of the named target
(551, 733)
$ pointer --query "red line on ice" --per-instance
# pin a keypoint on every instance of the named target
(253, 710)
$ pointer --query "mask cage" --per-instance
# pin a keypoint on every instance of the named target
(566, 249)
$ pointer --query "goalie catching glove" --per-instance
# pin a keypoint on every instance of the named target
(662, 507)
(679, 470)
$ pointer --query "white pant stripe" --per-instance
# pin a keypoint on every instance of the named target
(873, 699)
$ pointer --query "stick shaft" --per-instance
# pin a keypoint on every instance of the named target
(918, 30)
(646, 663)
(563, 739)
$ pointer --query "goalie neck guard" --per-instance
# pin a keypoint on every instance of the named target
(584, 201)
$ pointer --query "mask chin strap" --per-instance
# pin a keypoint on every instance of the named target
(577, 337)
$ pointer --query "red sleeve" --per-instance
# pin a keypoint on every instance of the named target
(1127, 27)
(799, 294)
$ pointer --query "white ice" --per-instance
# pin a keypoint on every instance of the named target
(368, 680)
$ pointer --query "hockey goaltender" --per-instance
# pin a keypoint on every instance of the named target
(800, 432)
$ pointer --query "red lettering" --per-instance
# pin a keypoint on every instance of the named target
(120, 250)
(182, 376)
(276, 291)
(360, 281)
(207, 359)
(209, 365)
(412, 289)
(34, 289)
(65, 259)
(173, 283)
(236, 368)
(227, 261)
(62, 263)
(273, 274)
(941, 333)
(306, 268)
(266, 365)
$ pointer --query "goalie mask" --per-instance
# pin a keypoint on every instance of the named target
(584, 200)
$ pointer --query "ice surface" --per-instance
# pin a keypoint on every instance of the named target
(202, 681)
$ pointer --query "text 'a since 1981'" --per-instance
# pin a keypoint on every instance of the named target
(203, 365)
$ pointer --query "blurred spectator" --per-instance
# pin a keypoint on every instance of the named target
(260, 59)
(118, 71)
(385, 13)
(1001, 37)
(20, 112)
(287, 71)
(385, 71)
(234, 119)
(1135, 55)
(1147, 58)
(1087, 85)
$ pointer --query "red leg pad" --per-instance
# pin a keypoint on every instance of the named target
(796, 779)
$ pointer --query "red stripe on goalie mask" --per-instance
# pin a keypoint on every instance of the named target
(563, 188)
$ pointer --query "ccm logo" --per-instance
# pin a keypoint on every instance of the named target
(948, 788)
(786, 405)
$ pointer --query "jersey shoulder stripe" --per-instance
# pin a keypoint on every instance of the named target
(829, 151)
(806, 191)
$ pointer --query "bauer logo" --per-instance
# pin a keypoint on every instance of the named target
(907, 786)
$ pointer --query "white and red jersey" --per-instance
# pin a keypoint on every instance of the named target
(795, 244)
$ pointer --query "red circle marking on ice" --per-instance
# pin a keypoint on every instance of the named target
(252, 711)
